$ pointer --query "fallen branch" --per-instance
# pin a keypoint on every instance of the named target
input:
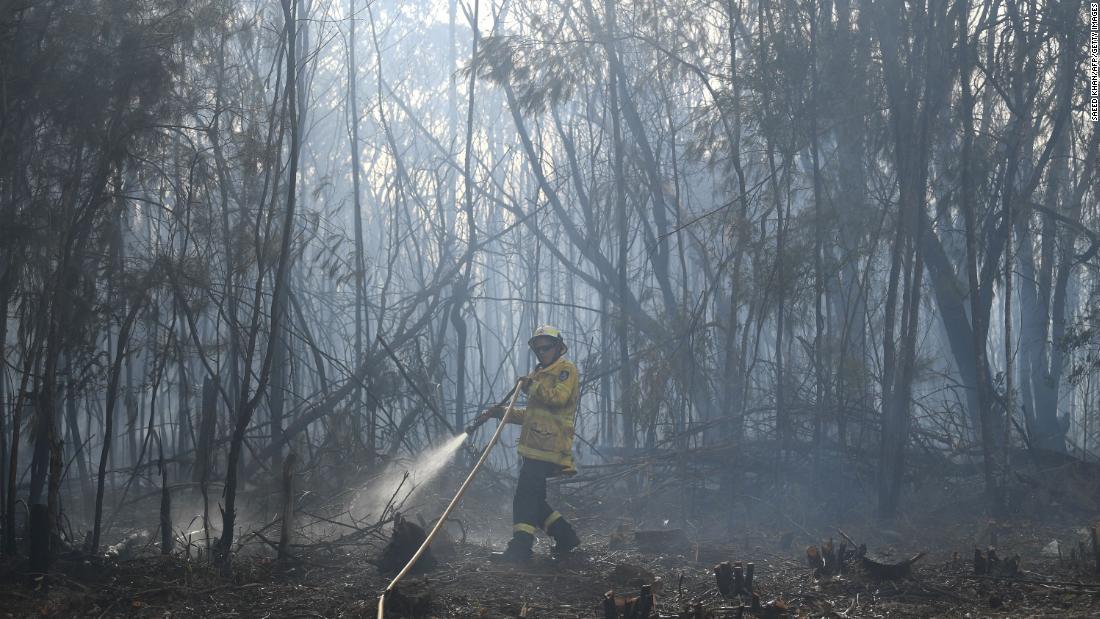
(1028, 581)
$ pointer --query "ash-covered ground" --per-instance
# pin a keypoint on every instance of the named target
(650, 534)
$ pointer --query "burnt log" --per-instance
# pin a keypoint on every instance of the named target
(660, 540)
(883, 567)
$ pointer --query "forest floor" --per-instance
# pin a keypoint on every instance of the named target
(328, 579)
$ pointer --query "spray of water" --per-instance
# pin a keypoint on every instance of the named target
(372, 497)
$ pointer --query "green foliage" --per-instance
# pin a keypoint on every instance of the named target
(541, 75)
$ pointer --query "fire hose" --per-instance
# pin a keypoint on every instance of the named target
(454, 502)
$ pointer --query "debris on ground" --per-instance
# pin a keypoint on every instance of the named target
(404, 542)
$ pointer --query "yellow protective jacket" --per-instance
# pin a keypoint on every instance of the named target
(547, 421)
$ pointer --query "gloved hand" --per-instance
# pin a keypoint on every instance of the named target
(494, 412)
(525, 382)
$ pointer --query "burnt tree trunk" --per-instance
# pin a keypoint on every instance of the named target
(109, 417)
(165, 505)
(288, 505)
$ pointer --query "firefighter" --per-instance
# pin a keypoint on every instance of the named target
(545, 445)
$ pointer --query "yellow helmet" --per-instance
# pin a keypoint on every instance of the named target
(547, 331)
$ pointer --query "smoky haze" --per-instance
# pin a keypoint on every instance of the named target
(844, 252)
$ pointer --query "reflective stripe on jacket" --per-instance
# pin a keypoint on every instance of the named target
(547, 432)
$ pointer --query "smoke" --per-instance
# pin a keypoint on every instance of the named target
(402, 481)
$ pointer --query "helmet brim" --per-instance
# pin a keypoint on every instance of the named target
(551, 338)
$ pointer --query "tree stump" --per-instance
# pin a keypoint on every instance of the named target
(406, 539)
(723, 574)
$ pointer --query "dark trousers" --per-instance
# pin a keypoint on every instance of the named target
(530, 512)
(529, 507)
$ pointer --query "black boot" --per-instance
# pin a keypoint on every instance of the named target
(565, 538)
(518, 551)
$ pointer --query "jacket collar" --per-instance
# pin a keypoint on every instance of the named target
(553, 365)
